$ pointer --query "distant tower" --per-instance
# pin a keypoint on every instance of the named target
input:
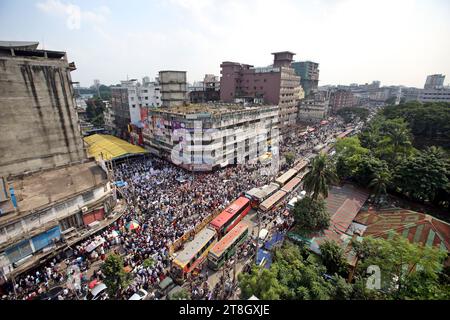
(283, 59)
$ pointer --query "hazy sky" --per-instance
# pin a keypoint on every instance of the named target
(394, 41)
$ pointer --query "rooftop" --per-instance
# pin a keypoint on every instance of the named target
(27, 49)
(110, 148)
(415, 226)
(40, 189)
(209, 108)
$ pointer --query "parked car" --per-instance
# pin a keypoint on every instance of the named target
(95, 293)
(141, 294)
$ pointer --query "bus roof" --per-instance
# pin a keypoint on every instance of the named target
(291, 185)
(269, 202)
(285, 177)
(302, 164)
(264, 191)
(229, 212)
(192, 247)
(229, 238)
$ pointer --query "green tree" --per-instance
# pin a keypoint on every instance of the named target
(182, 294)
(367, 168)
(342, 289)
(396, 142)
(116, 279)
(407, 270)
(262, 283)
(349, 147)
(333, 258)
(311, 214)
(290, 158)
(320, 176)
(421, 177)
(379, 183)
(289, 278)
(94, 111)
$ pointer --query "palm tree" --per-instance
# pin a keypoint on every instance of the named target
(379, 183)
(321, 175)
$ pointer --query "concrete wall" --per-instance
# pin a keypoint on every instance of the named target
(38, 121)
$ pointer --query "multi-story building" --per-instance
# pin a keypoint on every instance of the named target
(109, 118)
(275, 85)
(38, 118)
(51, 195)
(434, 95)
(342, 99)
(434, 81)
(308, 72)
(314, 108)
(173, 88)
(201, 137)
(130, 102)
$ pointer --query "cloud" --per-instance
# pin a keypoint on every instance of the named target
(73, 14)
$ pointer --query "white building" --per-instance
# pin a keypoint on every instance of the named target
(145, 95)
(200, 137)
(315, 108)
(434, 95)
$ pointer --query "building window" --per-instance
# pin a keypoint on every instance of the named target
(134, 106)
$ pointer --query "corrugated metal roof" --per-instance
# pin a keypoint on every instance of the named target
(110, 147)
(415, 226)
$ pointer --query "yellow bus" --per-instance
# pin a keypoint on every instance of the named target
(226, 247)
(193, 253)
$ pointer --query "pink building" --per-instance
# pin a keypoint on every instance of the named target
(277, 84)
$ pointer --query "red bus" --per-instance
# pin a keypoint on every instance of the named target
(231, 216)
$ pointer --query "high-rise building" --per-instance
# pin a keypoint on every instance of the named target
(173, 88)
(39, 122)
(434, 81)
(275, 85)
(308, 72)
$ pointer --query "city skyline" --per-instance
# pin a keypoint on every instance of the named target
(397, 43)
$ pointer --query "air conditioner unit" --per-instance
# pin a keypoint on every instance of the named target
(84, 209)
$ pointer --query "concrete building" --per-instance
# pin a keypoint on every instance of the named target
(434, 95)
(46, 211)
(434, 81)
(342, 99)
(109, 118)
(39, 122)
(205, 91)
(308, 72)
(130, 102)
(51, 195)
(314, 108)
(201, 137)
(275, 85)
(173, 88)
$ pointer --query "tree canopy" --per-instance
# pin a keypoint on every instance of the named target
(116, 279)
(311, 214)
(407, 270)
(321, 174)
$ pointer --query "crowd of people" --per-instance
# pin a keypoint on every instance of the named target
(165, 202)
